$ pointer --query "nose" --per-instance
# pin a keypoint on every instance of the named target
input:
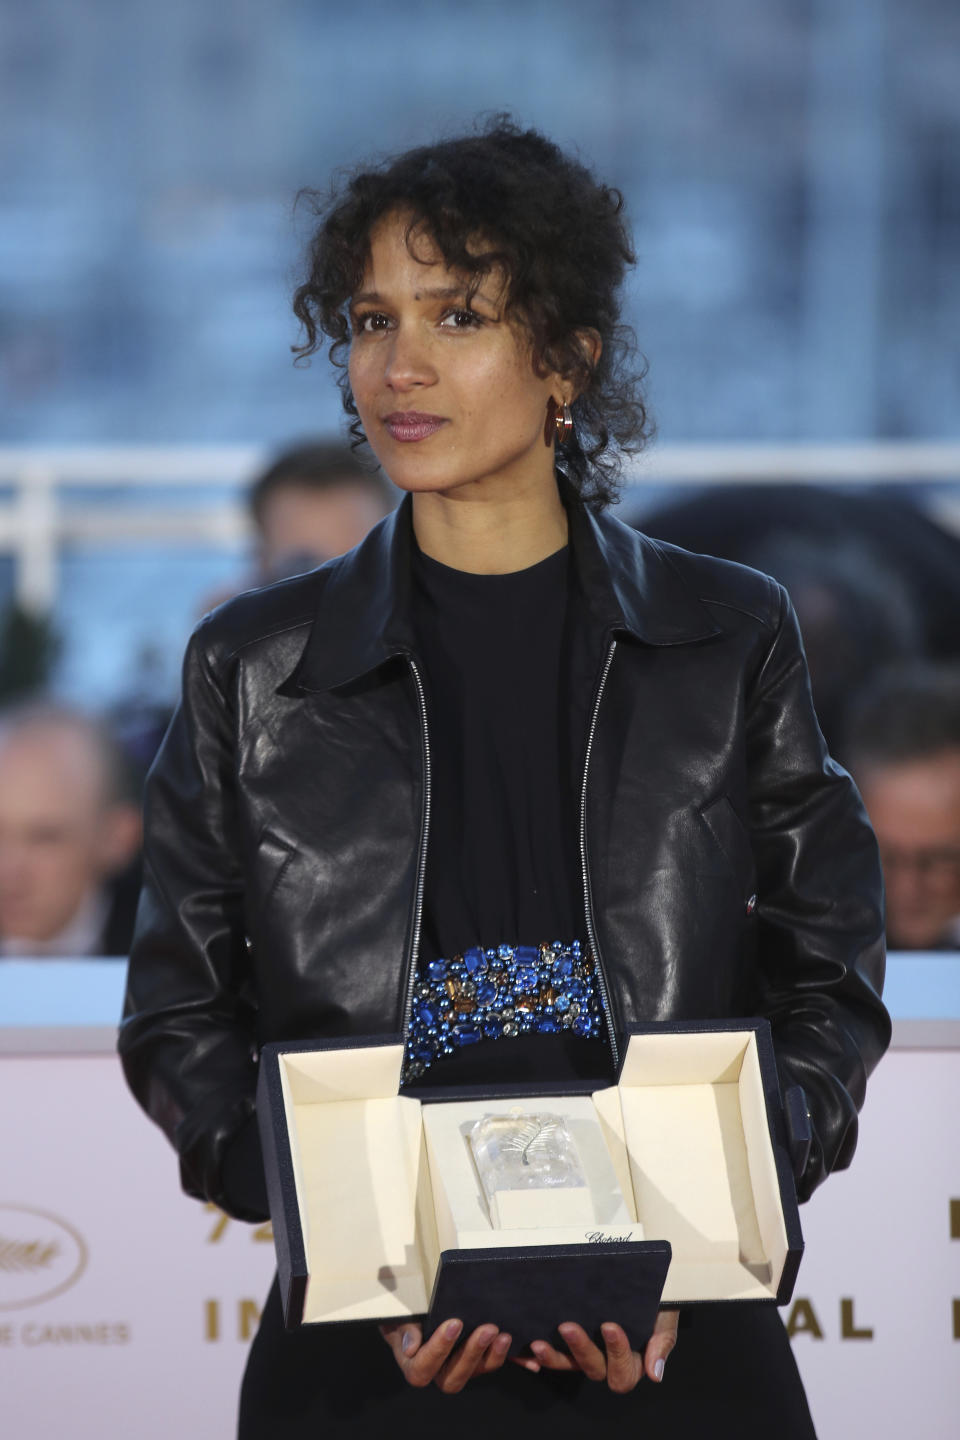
(409, 365)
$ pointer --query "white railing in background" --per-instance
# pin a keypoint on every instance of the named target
(35, 523)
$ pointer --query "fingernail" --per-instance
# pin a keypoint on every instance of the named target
(452, 1329)
(486, 1334)
(567, 1328)
(658, 1369)
(502, 1342)
(406, 1344)
(530, 1365)
(538, 1347)
(609, 1332)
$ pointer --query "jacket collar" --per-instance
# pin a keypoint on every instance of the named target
(365, 613)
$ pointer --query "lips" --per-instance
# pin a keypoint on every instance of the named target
(411, 425)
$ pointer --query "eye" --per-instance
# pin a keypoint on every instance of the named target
(462, 320)
(366, 322)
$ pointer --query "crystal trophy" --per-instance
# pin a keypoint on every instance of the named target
(524, 1152)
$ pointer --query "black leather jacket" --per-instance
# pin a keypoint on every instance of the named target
(727, 862)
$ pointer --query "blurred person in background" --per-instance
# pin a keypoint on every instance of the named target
(905, 755)
(70, 833)
(316, 501)
(874, 579)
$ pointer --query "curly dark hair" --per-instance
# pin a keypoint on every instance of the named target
(509, 198)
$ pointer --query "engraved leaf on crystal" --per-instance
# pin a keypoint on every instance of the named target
(533, 1138)
(27, 1254)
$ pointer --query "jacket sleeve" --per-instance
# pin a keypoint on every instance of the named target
(187, 1039)
(820, 905)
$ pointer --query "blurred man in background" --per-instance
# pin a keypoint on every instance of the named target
(69, 837)
(905, 755)
(314, 502)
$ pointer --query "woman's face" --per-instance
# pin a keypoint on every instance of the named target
(448, 396)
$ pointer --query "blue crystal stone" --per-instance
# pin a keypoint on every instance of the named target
(493, 1029)
(526, 1019)
(427, 1014)
(527, 979)
(466, 1034)
(437, 970)
(527, 954)
(424, 1053)
(505, 952)
(562, 1002)
(583, 1025)
(547, 1026)
(475, 960)
(563, 967)
(575, 989)
(486, 992)
(575, 948)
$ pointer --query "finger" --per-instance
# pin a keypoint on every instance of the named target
(589, 1358)
(403, 1338)
(624, 1365)
(551, 1358)
(661, 1342)
(494, 1356)
(526, 1363)
(421, 1368)
(461, 1366)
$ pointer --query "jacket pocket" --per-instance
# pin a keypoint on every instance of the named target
(732, 839)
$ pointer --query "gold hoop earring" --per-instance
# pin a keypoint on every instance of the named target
(563, 421)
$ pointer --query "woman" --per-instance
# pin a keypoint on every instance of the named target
(508, 727)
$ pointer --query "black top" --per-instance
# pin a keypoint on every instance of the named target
(502, 856)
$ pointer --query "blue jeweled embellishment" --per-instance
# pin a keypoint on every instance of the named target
(493, 993)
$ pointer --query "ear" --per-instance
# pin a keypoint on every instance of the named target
(590, 345)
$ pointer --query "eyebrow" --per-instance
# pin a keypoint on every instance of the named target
(429, 292)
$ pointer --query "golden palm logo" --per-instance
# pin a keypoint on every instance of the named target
(41, 1255)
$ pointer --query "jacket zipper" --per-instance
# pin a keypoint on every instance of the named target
(587, 899)
(422, 857)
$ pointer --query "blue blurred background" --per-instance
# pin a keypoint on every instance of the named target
(791, 167)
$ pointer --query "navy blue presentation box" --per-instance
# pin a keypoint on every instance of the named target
(379, 1212)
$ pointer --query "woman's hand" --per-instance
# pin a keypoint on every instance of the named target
(440, 1359)
(621, 1367)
